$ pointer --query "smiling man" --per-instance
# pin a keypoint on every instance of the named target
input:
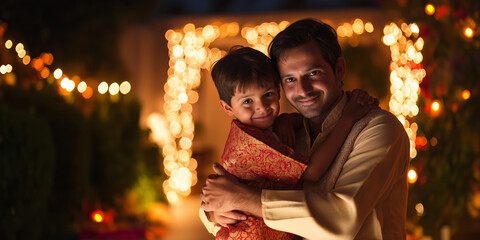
(363, 195)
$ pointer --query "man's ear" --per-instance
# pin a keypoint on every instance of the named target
(228, 110)
(340, 69)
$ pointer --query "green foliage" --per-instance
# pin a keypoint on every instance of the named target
(27, 159)
(54, 160)
(68, 132)
(115, 141)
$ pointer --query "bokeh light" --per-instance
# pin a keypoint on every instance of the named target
(429, 9)
(466, 94)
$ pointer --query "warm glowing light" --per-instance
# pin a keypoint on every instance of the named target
(404, 78)
(412, 176)
(38, 64)
(414, 28)
(185, 143)
(468, 32)
(47, 58)
(87, 94)
(172, 197)
(369, 27)
(82, 86)
(125, 87)
(182, 98)
(358, 26)
(68, 84)
(64, 82)
(114, 88)
(22, 53)
(433, 141)
(97, 216)
(9, 68)
(420, 209)
(26, 60)
(466, 94)
(102, 87)
(9, 44)
(430, 9)
(3, 69)
(19, 47)
(45, 72)
(57, 74)
(435, 106)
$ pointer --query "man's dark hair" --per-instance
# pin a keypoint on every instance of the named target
(305, 31)
(242, 67)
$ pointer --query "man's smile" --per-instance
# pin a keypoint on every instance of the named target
(309, 99)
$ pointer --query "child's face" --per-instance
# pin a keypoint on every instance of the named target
(257, 106)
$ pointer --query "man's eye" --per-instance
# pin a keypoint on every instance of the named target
(313, 73)
(288, 80)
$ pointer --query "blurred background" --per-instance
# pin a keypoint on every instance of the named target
(110, 122)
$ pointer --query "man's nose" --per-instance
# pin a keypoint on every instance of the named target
(305, 86)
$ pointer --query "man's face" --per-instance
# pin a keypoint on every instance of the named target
(257, 106)
(309, 82)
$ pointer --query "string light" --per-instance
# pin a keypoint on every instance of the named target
(82, 87)
(466, 94)
(8, 44)
(430, 9)
(406, 73)
(412, 176)
(114, 88)
(436, 106)
(97, 216)
(420, 209)
(40, 64)
(468, 32)
(102, 87)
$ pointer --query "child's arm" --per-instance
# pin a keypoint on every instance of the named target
(285, 127)
(358, 105)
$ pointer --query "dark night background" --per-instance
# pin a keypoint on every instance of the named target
(62, 156)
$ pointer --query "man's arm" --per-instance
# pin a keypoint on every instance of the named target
(378, 161)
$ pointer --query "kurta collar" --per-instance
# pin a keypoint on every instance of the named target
(327, 125)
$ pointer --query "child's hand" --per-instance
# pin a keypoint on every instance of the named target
(285, 126)
(359, 104)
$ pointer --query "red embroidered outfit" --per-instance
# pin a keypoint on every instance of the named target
(254, 155)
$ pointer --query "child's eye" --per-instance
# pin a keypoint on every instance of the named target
(247, 101)
(315, 72)
(269, 94)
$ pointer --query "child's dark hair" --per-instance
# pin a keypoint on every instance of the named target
(242, 67)
(305, 31)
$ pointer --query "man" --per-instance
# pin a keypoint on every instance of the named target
(363, 195)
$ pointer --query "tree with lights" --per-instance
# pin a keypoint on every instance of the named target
(444, 193)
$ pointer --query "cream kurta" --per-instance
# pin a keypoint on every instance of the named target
(367, 201)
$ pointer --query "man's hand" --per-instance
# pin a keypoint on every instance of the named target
(223, 193)
(225, 218)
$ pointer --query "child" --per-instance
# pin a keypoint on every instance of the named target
(248, 86)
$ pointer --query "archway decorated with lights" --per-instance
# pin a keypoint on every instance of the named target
(190, 52)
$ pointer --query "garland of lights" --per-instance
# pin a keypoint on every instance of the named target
(406, 74)
(67, 85)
